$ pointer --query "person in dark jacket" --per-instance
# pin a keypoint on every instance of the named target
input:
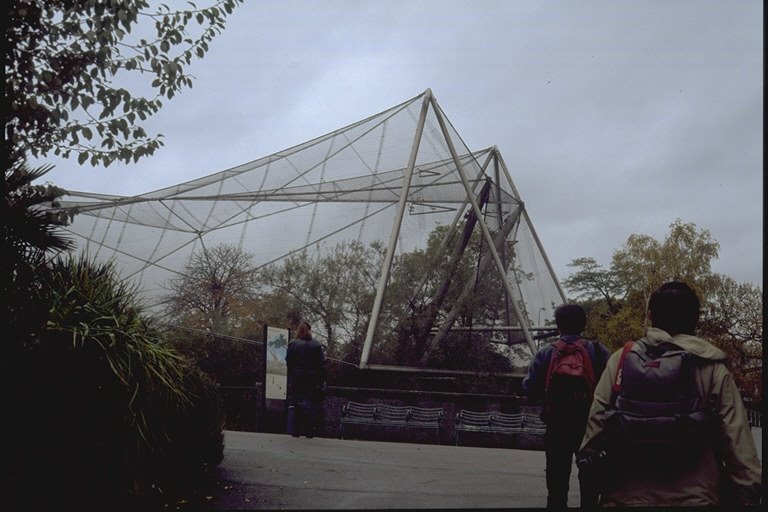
(565, 430)
(305, 358)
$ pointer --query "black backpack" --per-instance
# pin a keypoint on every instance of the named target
(655, 405)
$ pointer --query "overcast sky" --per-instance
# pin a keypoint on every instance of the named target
(614, 117)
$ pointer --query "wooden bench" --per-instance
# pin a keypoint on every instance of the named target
(495, 422)
(383, 415)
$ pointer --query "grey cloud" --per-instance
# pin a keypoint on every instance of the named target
(614, 117)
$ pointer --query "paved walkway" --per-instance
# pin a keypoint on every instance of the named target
(275, 471)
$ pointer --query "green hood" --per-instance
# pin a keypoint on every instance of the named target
(692, 344)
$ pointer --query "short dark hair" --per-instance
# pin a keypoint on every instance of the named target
(570, 318)
(304, 332)
(674, 307)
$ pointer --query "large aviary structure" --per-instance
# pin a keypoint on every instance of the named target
(402, 177)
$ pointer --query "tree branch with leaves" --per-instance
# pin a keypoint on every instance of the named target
(62, 60)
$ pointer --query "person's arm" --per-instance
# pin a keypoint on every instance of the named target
(601, 400)
(737, 446)
(533, 383)
(323, 370)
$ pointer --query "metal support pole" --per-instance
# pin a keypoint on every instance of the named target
(459, 214)
(387, 265)
(460, 210)
(497, 178)
(483, 266)
(486, 234)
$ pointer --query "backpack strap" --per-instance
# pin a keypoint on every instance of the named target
(617, 382)
(589, 350)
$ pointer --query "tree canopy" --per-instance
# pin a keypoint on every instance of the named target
(685, 254)
(334, 289)
(616, 297)
(733, 320)
(63, 61)
(212, 284)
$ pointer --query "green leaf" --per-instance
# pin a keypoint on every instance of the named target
(90, 43)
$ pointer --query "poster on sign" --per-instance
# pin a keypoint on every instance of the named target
(276, 373)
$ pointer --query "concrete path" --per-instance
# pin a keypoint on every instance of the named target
(275, 471)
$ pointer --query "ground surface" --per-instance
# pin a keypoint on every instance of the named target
(275, 471)
(272, 471)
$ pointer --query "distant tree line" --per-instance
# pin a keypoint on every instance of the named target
(222, 291)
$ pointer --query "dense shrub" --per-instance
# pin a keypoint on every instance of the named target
(102, 413)
(227, 360)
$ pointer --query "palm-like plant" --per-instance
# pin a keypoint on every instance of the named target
(29, 231)
(97, 406)
(163, 409)
(30, 228)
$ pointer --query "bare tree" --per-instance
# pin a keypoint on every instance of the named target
(733, 320)
(334, 289)
(211, 286)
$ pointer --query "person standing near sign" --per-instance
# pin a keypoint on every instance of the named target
(305, 358)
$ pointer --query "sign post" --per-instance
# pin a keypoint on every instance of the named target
(275, 388)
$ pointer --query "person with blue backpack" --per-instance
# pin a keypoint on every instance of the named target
(667, 425)
(562, 376)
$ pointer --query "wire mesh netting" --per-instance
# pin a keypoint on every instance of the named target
(346, 188)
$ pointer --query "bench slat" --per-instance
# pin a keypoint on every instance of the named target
(425, 414)
(510, 421)
(495, 422)
(472, 417)
(534, 424)
(391, 416)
